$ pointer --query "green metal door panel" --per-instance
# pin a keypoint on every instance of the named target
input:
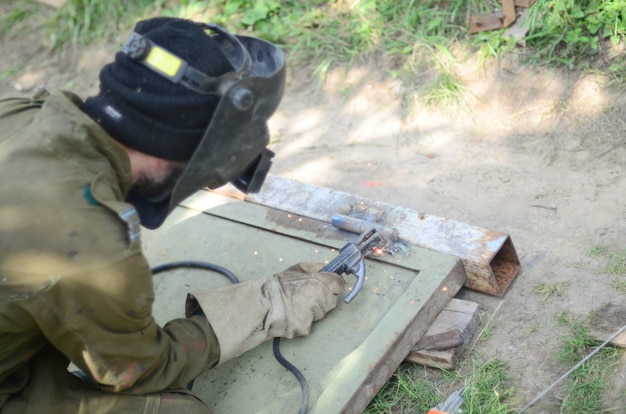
(349, 354)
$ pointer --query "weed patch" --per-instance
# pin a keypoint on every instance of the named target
(408, 390)
(615, 265)
(571, 34)
(549, 290)
(585, 387)
(411, 40)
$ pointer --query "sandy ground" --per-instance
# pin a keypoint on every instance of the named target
(530, 153)
(537, 154)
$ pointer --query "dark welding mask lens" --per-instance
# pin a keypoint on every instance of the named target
(251, 180)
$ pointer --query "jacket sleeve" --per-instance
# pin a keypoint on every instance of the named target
(105, 327)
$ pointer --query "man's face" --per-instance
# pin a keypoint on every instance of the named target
(159, 187)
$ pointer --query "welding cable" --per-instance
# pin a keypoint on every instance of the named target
(196, 265)
(291, 368)
(276, 345)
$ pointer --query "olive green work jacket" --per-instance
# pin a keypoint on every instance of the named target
(72, 272)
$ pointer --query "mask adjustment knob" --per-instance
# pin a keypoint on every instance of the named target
(242, 99)
(136, 47)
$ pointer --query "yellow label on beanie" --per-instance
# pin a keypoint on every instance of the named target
(164, 61)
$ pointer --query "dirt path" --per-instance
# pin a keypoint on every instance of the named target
(535, 154)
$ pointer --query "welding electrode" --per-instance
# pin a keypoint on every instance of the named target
(355, 225)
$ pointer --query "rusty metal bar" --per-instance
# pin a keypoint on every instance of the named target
(489, 257)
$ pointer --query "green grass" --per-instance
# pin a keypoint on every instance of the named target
(9, 72)
(411, 40)
(22, 16)
(584, 389)
(79, 22)
(549, 290)
(419, 42)
(615, 265)
(416, 389)
(488, 391)
(488, 327)
(410, 389)
(89, 20)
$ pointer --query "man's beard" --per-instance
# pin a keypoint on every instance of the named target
(161, 190)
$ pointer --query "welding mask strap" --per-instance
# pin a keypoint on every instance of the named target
(177, 70)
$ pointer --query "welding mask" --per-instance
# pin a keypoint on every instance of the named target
(233, 149)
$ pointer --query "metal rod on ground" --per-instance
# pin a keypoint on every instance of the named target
(574, 368)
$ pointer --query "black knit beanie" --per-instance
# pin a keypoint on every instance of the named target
(147, 112)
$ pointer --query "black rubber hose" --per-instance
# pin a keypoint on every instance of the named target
(291, 368)
(196, 265)
(276, 345)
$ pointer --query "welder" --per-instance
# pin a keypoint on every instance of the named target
(183, 106)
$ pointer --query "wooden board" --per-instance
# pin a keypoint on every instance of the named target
(606, 320)
(458, 315)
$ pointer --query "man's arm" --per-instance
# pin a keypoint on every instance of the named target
(102, 321)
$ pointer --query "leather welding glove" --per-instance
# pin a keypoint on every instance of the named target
(244, 315)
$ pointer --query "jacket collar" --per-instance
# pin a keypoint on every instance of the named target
(79, 135)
